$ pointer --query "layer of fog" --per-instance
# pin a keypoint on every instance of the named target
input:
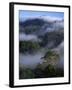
(24, 37)
(56, 25)
(31, 61)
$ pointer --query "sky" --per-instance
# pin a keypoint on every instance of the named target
(24, 14)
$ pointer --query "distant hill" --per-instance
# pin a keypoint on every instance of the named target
(52, 39)
(45, 34)
(32, 22)
(39, 26)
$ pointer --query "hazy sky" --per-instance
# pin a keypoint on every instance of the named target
(24, 14)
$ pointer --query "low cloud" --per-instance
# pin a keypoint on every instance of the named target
(24, 37)
(51, 19)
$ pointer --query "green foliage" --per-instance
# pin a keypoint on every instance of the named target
(28, 46)
(50, 71)
(51, 57)
(59, 72)
(26, 73)
(56, 37)
(31, 29)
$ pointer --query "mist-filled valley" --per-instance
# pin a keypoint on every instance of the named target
(41, 48)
